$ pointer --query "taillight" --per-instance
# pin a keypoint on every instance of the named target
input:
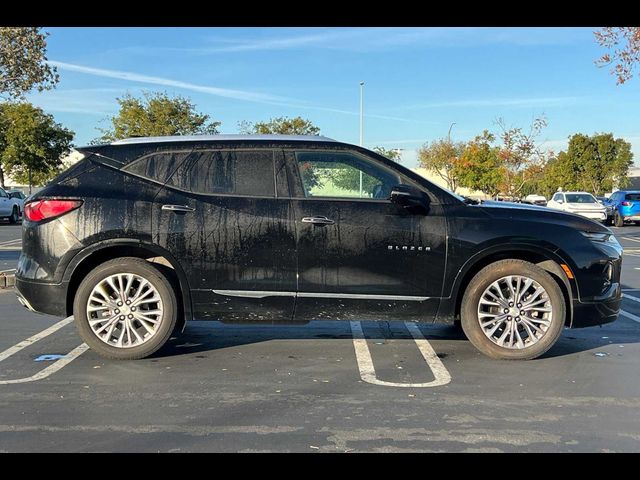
(626, 204)
(45, 209)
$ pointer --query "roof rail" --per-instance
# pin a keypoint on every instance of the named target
(221, 138)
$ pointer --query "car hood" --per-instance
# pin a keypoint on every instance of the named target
(524, 212)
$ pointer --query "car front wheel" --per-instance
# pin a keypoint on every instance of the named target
(618, 221)
(125, 309)
(513, 310)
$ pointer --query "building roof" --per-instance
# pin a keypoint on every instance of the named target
(221, 138)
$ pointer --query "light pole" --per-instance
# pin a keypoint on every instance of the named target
(361, 113)
(361, 126)
(449, 134)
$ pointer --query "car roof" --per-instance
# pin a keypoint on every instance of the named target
(221, 138)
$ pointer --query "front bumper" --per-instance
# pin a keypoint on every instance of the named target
(604, 309)
(49, 298)
(593, 215)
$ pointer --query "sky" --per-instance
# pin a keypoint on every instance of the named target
(417, 81)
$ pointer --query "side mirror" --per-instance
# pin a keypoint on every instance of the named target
(410, 198)
(560, 201)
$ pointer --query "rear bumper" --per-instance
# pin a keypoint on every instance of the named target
(604, 309)
(49, 298)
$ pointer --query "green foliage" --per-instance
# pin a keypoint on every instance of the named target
(30, 140)
(596, 164)
(23, 62)
(157, 114)
(520, 156)
(442, 157)
(390, 153)
(280, 126)
(479, 167)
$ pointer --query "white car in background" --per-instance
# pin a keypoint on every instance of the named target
(580, 203)
(10, 207)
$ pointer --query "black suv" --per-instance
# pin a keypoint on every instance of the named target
(146, 233)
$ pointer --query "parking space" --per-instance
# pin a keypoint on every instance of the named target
(325, 386)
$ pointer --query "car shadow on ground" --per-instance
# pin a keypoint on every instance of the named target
(203, 336)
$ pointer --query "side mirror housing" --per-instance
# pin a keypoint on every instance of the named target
(410, 197)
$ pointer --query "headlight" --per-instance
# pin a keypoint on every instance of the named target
(601, 237)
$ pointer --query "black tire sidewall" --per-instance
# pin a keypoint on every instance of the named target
(477, 286)
(160, 283)
(13, 219)
(618, 221)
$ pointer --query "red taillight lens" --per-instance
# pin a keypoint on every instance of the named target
(626, 204)
(44, 209)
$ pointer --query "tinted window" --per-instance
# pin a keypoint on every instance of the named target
(227, 171)
(556, 197)
(635, 197)
(343, 175)
(157, 166)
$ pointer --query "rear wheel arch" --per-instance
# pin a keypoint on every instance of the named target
(90, 258)
(540, 257)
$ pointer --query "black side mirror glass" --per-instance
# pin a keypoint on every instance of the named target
(410, 197)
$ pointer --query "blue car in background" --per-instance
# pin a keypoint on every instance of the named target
(626, 204)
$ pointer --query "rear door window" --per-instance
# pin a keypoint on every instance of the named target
(235, 172)
(632, 197)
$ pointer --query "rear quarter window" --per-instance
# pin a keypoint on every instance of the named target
(157, 166)
(633, 197)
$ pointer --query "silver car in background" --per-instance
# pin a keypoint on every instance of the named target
(580, 203)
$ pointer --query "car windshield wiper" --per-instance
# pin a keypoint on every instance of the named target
(471, 201)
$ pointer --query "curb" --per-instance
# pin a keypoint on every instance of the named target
(7, 281)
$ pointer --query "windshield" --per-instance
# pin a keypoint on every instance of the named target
(580, 198)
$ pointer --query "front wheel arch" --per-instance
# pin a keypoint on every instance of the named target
(542, 258)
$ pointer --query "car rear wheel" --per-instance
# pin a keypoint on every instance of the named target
(513, 310)
(618, 221)
(15, 217)
(125, 309)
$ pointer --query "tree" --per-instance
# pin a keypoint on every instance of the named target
(157, 114)
(390, 153)
(442, 157)
(520, 155)
(479, 167)
(23, 62)
(280, 126)
(597, 163)
(623, 59)
(31, 144)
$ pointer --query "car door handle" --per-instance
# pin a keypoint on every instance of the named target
(318, 220)
(178, 208)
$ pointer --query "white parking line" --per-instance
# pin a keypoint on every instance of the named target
(7, 271)
(632, 239)
(38, 336)
(630, 297)
(44, 373)
(368, 372)
(64, 361)
(633, 317)
(9, 242)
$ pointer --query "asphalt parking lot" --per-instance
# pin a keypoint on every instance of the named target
(323, 387)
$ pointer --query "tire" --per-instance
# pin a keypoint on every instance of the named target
(138, 338)
(15, 217)
(530, 346)
(618, 221)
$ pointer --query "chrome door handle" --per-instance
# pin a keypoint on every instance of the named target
(318, 220)
(178, 208)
